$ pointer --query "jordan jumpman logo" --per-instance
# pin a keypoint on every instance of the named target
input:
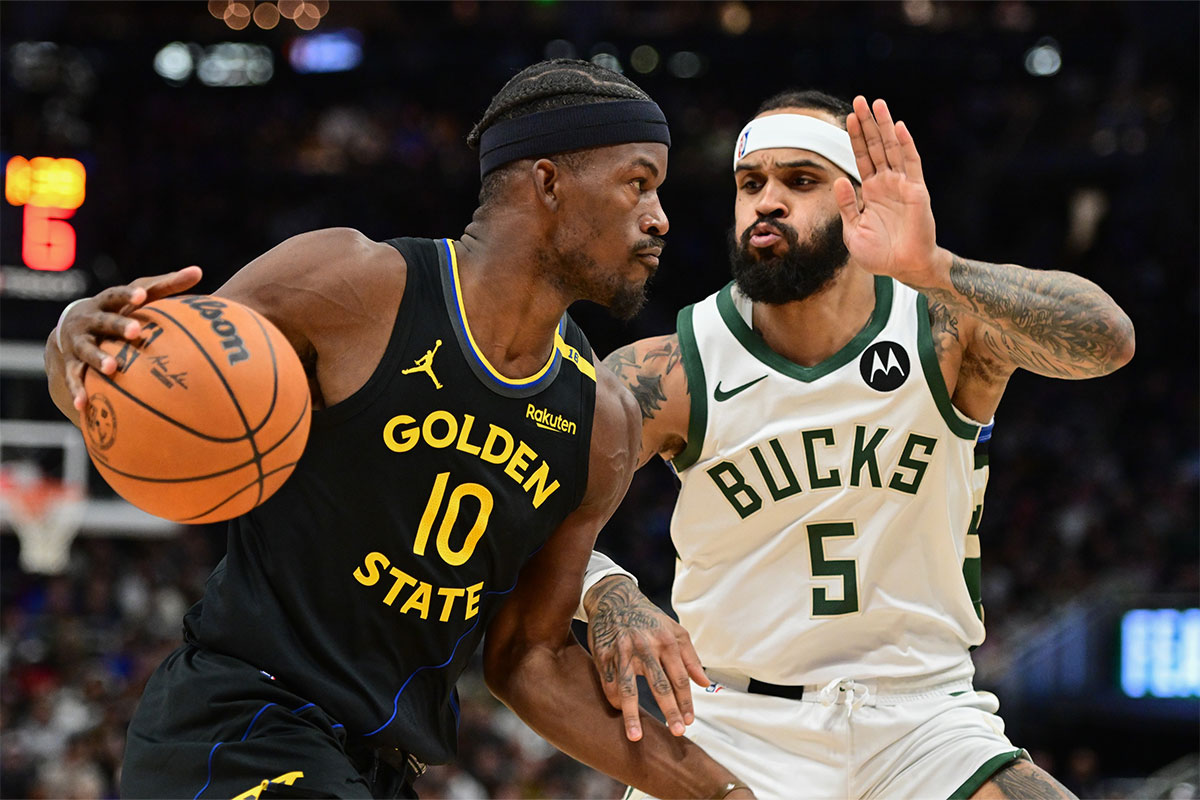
(425, 364)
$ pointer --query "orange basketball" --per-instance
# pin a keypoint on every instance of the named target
(205, 417)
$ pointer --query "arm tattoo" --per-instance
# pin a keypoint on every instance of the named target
(943, 324)
(1024, 781)
(643, 372)
(1052, 323)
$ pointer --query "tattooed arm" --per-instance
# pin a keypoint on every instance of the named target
(627, 634)
(1021, 780)
(988, 319)
(652, 371)
(1053, 323)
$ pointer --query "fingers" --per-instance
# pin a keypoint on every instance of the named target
(877, 142)
(912, 159)
(887, 132)
(691, 662)
(663, 688)
(862, 156)
(172, 283)
(73, 374)
(871, 138)
(847, 200)
(632, 714)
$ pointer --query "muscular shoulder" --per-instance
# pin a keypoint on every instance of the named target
(334, 293)
(338, 266)
(616, 439)
(652, 370)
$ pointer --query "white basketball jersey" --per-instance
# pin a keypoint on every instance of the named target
(826, 523)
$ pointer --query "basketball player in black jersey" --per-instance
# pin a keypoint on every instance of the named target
(465, 450)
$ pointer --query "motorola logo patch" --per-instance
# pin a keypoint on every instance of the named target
(884, 366)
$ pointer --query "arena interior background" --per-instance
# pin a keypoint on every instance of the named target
(1053, 135)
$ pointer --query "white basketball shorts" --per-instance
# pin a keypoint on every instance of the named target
(848, 740)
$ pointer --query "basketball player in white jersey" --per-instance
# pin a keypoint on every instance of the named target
(828, 415)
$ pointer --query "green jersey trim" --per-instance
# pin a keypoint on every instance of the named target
(985, 772)
(693, 369)
(759, 349)
(933, 376)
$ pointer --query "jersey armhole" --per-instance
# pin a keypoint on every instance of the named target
(402, 323)
(697, 391)
(954, 419)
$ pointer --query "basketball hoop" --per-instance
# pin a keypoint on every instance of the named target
(45, 513)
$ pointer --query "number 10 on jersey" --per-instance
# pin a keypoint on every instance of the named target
(463, 554)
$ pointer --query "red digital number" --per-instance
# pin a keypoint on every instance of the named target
(49, 240)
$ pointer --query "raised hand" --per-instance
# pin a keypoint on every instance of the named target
(893, 233)
(106, 316)
(628, 636)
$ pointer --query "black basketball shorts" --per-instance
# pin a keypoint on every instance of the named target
(211, 726)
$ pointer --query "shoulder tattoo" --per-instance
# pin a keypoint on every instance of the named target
(642, 369)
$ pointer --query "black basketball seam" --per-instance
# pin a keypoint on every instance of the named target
(172, 420)
(228, 390)
(239, 491)
(235, 468)
(274, 375)
(274, 393)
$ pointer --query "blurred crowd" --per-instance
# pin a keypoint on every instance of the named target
(1091, 168)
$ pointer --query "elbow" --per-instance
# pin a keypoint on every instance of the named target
(1124, 343)
(500, 667)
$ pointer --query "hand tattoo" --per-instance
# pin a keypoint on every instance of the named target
(620, 609)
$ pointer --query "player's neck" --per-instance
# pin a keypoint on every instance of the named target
(512, 312)
(811, 330)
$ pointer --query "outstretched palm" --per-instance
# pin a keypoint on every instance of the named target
(894, 233)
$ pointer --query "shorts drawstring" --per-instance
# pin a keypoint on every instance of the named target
(851, 693)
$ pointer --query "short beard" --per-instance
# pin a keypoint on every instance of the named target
(802, 271)
(588, 282)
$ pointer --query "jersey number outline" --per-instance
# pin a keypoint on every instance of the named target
(451, 556)
(844, 568)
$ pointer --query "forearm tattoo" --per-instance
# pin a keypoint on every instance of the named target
(643, 372)
(1052, 323)
(1024, 781)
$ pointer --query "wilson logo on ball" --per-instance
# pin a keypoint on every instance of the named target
(206, 431)
(214, 312)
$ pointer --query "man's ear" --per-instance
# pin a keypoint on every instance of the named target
(546, 178)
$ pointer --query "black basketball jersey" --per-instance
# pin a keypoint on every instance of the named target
(365, 583)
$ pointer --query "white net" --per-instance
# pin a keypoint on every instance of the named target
(45, 513)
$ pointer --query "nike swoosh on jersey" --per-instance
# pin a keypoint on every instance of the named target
(721, 396)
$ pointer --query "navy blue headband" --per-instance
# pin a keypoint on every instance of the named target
(558, 130)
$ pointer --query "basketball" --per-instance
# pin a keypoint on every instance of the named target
(206, 415)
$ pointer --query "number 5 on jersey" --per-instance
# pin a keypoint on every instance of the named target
(463, 554)
(844, 568)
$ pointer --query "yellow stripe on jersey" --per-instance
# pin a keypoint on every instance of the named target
(574, 356)
(462, 311)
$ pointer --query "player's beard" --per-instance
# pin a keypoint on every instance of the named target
(803, 269)
(623, 297)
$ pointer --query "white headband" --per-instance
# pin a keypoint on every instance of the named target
(801, 132)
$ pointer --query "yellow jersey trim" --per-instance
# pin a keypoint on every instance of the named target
(466, 326)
